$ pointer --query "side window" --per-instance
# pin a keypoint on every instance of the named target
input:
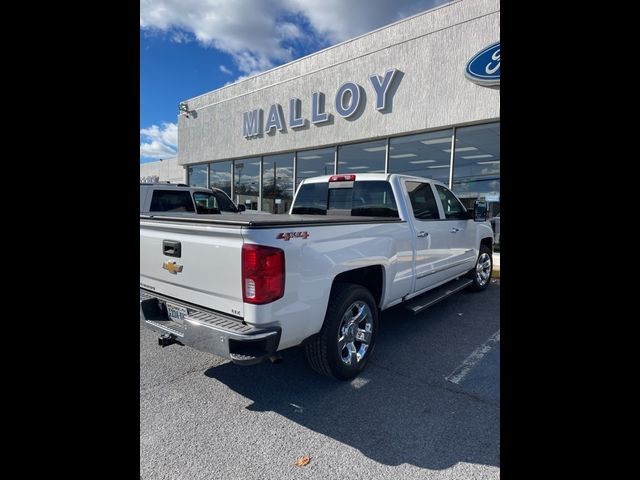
(453, 209)
(171, 201)
(373, 199)
(206, 203)
(422, 200)
(224, 203)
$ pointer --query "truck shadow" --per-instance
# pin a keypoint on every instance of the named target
(396, 412)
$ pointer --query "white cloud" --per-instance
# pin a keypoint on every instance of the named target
(339, 20)
(159, 142)
(246, 29)
(257, 33)
(224, 69)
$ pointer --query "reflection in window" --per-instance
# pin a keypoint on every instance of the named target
(220, 176)
(314, 163)
(362, 157)
(198, 176)
(423, 202)
(425, 155)
(452, 208)
(206, 203)
(171, 201)
(277, 183)
(247, 182)
(476, 167)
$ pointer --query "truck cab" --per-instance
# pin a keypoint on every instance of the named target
(179, 198)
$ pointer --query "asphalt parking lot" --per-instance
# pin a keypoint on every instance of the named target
(427, 406)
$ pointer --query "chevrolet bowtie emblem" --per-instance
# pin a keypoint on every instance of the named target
(172, 267)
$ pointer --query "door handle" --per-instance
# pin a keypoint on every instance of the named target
(454, 230)
(422, 234)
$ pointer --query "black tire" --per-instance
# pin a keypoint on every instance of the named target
(480, 280)
(323, 352)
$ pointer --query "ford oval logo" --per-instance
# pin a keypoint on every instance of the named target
(484, 67)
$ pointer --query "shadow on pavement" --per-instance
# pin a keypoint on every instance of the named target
(402, 414)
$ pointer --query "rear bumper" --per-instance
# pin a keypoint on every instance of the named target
(209, 331)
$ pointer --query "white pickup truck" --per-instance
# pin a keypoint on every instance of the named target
(247, 286)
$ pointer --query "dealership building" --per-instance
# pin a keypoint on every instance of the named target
(419, 97)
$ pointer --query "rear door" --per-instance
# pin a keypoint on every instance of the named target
(433, 254)
(200, 264)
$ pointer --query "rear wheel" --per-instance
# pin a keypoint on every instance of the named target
(481, 273)
(344, 344)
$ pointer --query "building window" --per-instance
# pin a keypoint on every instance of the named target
(476, 166)
(247, 182)
(314, 163)
(198, 176)
(425, 155)
(277, 183)
(362, 157)
(220, 176)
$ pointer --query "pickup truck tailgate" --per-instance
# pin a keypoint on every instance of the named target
(199, 264)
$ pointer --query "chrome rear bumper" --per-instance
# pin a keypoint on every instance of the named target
(209, 331)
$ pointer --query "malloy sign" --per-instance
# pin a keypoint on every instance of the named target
(346, 103)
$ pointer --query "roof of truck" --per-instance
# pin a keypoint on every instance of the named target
(370, 176)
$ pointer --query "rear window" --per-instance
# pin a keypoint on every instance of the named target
(171, 201)
(369, 199)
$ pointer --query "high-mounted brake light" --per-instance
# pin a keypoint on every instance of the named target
(262, 274)
(342, 178)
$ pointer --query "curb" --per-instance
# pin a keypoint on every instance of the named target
(495, 273)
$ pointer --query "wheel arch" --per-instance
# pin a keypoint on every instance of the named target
(370, 277)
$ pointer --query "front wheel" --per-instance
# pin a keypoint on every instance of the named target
(481, 273)
(344, 344)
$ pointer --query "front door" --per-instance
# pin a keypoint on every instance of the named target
(462, 236)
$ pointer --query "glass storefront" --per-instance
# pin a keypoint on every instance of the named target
(220, 176)
(246, 188)
(277, 183)
(476, 167)
(197, 176)
(314, 163)
(423, 155)
(365, 157)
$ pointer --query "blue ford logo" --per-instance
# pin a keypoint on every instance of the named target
(484, 66)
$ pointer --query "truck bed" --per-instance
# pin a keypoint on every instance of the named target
(271, 221)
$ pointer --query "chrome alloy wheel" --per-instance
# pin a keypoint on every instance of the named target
(354, 334)
(483, 269)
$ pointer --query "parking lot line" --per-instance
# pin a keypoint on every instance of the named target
(463, 369)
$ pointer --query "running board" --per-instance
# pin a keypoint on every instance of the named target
(432, 297)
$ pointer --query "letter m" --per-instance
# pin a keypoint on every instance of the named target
(251, 123)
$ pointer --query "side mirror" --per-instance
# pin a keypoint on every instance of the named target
(241, 208)
(480, 211)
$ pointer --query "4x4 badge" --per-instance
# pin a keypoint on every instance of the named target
(172, 267)
(286, 236)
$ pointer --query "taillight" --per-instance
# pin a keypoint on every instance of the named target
(262, 274)
(342, 178)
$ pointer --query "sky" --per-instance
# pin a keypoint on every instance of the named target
(190, 47)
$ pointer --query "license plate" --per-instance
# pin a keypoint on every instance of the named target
(176, 313)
